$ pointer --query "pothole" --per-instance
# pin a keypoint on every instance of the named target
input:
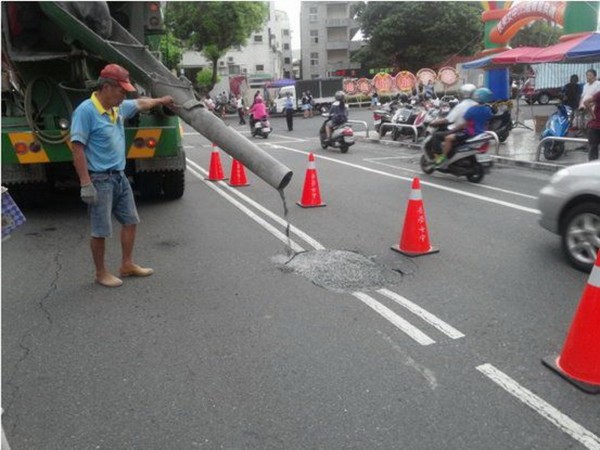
(339, 270)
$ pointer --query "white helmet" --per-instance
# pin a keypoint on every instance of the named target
(466, 90)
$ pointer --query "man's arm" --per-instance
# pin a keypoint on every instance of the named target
(588, 104)
(80, 163)
(147, 103)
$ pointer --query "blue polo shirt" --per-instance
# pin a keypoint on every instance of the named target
(102, 132)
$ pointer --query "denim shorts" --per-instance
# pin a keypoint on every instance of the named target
(115, 196)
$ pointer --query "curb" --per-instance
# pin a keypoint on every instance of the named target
(537, 165)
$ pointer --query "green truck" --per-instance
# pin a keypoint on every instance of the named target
(52, 53)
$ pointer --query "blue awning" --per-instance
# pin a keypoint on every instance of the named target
(478, 63)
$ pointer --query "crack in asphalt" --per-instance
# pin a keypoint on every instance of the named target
(22, 342)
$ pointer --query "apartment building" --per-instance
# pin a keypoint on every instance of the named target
(267, 55)
(327, 29)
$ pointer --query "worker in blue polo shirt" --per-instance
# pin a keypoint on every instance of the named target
(98, 145)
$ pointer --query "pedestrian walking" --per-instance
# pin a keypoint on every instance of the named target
(311, 104)
(374, 100)
(98, 143)
(592, 105)
(288, 105)
(305, 106)
(240, 108)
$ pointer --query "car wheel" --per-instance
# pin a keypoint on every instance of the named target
(581, 235)
(544, 98)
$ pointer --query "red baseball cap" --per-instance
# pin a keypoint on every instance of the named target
(119, 74)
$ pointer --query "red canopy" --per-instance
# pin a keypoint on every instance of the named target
(514, 55)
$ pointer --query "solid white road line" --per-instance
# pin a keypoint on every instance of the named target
(476, 186)
(423, 183)
(404, 326)
(267, 226)
(549, 412)
(423, 314)
(302, 235)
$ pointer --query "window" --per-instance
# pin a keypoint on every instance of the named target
(286, 32)
(260, 67)
(312, 14)
(258, 38)
(314, 36)
(286, 61)
(286, 46)
(314, 59)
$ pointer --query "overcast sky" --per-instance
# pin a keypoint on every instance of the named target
(292, 8)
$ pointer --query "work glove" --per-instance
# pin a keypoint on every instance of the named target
(89, 194)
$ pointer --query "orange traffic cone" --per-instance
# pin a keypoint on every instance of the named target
(579, 362)
(215, 172)
(311, 196)
(238, 174)
(415, 238)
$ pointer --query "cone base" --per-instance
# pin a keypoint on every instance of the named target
(238, 184)
(551, 363)
(397, 248)
(216, 179)
(311, 206)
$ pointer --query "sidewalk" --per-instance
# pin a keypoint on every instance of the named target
(520, 148)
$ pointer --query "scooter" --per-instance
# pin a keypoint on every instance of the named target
(384, 115)
(342, 136)
(557, 125)
(260, 128)
(501, 123)
(470, 159)
(406, 114)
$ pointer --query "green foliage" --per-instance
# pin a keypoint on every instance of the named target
(171, 51)
(538, 34)
(204, 80)
(413, 35)
(214, 27)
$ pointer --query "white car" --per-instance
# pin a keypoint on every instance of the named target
(570, 207)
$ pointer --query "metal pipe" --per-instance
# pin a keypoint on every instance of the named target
(230, 140)
(558, 139)
(495, 136)
(362, 122)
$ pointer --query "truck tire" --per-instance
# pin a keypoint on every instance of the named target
(174, 184)
(149, 184)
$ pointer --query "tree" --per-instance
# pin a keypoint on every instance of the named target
(170, 49)
(538, 34)
(214, 27)
(413, 35)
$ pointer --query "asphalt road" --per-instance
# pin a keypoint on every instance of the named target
(227, 346)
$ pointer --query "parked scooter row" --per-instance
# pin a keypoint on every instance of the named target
(411, 113)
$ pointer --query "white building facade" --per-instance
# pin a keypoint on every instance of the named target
(266, 57)
(327, 29)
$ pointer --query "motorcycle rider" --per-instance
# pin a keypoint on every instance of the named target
(456, 116)
(258, 111)
(338, 114)
(476, 119)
